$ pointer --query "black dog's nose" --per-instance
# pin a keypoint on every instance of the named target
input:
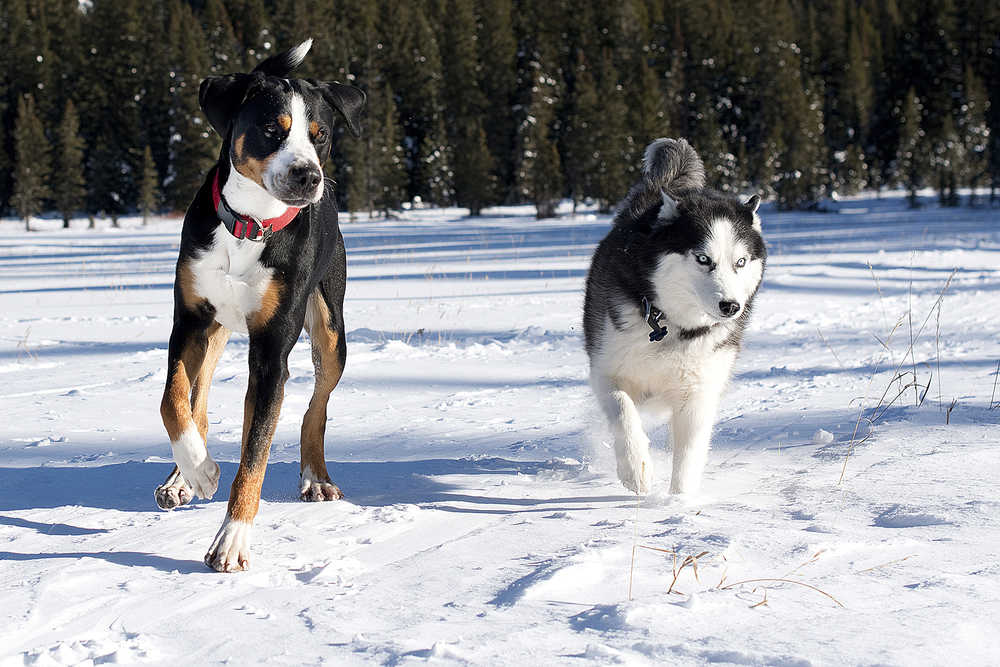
(729, 308)
(304, 176)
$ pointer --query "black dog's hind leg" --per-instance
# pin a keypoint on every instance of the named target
(329, 352)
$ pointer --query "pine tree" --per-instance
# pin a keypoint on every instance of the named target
(110, 114)
(376, 161)
(252, 24)
(648, 110)
(911, 161)
(69, 190)
(975, 131)
(148, 189)
(706, 136)
(498, 81)
(31, 150)
(948, 161)
(158, 79)
(226, 54)
(473, 165)
(794, 110)
(474, 186)
(413, 69)
(194, 146)
(539, 172)
(584, 115)
(612, 146)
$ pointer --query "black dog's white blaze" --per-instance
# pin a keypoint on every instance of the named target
(699, 257)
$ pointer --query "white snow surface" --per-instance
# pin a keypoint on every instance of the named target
(482, 521)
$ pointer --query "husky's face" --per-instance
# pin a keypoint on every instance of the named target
(712, 262)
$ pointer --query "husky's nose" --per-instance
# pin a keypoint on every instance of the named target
(729, 308)
(304, 177)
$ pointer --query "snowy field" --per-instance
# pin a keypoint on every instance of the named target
(483, 523)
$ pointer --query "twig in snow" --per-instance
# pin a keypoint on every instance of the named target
(947, 415)
(784, 581)
(688, 560)
(812, 560)
(830, 347)
(635, 536)
(892, 562)
(994, 394)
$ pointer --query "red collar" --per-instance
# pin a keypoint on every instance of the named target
(244, 226)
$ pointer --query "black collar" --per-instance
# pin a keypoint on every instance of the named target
(652, 316)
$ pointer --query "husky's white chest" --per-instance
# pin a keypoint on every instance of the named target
(671, 369)
(230, 276)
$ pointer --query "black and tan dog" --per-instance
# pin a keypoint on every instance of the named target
(260, 253)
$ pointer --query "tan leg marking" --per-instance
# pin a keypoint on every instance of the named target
(326, 360)
(185, 280)
(175, 408)
(218, 336)
(269, 302)
(244, 497)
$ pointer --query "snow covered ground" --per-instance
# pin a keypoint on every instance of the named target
(482, 522)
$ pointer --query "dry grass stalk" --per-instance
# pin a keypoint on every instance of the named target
(892, 562)
(635, 538)
(937, 348)
(23, 344)
(784, 581)
(762, 603)
(909, 317)
(811, 560)
(994, 394)
(896, 377)
(947, 415)
(688, 560)
(830, 347)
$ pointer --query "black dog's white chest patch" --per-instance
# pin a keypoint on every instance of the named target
(230, 276)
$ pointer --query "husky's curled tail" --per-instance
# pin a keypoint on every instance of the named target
(670, 166)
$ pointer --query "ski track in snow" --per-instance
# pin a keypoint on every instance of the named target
(482, 522)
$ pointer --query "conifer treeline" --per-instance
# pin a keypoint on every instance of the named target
(477, 102)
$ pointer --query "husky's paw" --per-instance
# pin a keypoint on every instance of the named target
(230, 551)
(635, 470)
(196, 466)
(316, 490)
(174, 491)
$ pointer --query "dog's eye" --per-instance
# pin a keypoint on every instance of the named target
(741, 262)
(321, 135)
(270, 129)
(703, 259)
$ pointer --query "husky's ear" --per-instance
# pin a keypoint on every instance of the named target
(669, 209)
(752, 205)
(221, 97)
(348, 100)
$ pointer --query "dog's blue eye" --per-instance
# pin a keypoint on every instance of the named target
(703, 259)
(741, 262)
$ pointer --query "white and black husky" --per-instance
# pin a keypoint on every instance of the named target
(668, 298)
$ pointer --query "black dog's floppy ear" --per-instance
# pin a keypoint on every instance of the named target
(220, 98)
(348, 100)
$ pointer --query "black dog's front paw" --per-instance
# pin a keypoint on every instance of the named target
(174, 491)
